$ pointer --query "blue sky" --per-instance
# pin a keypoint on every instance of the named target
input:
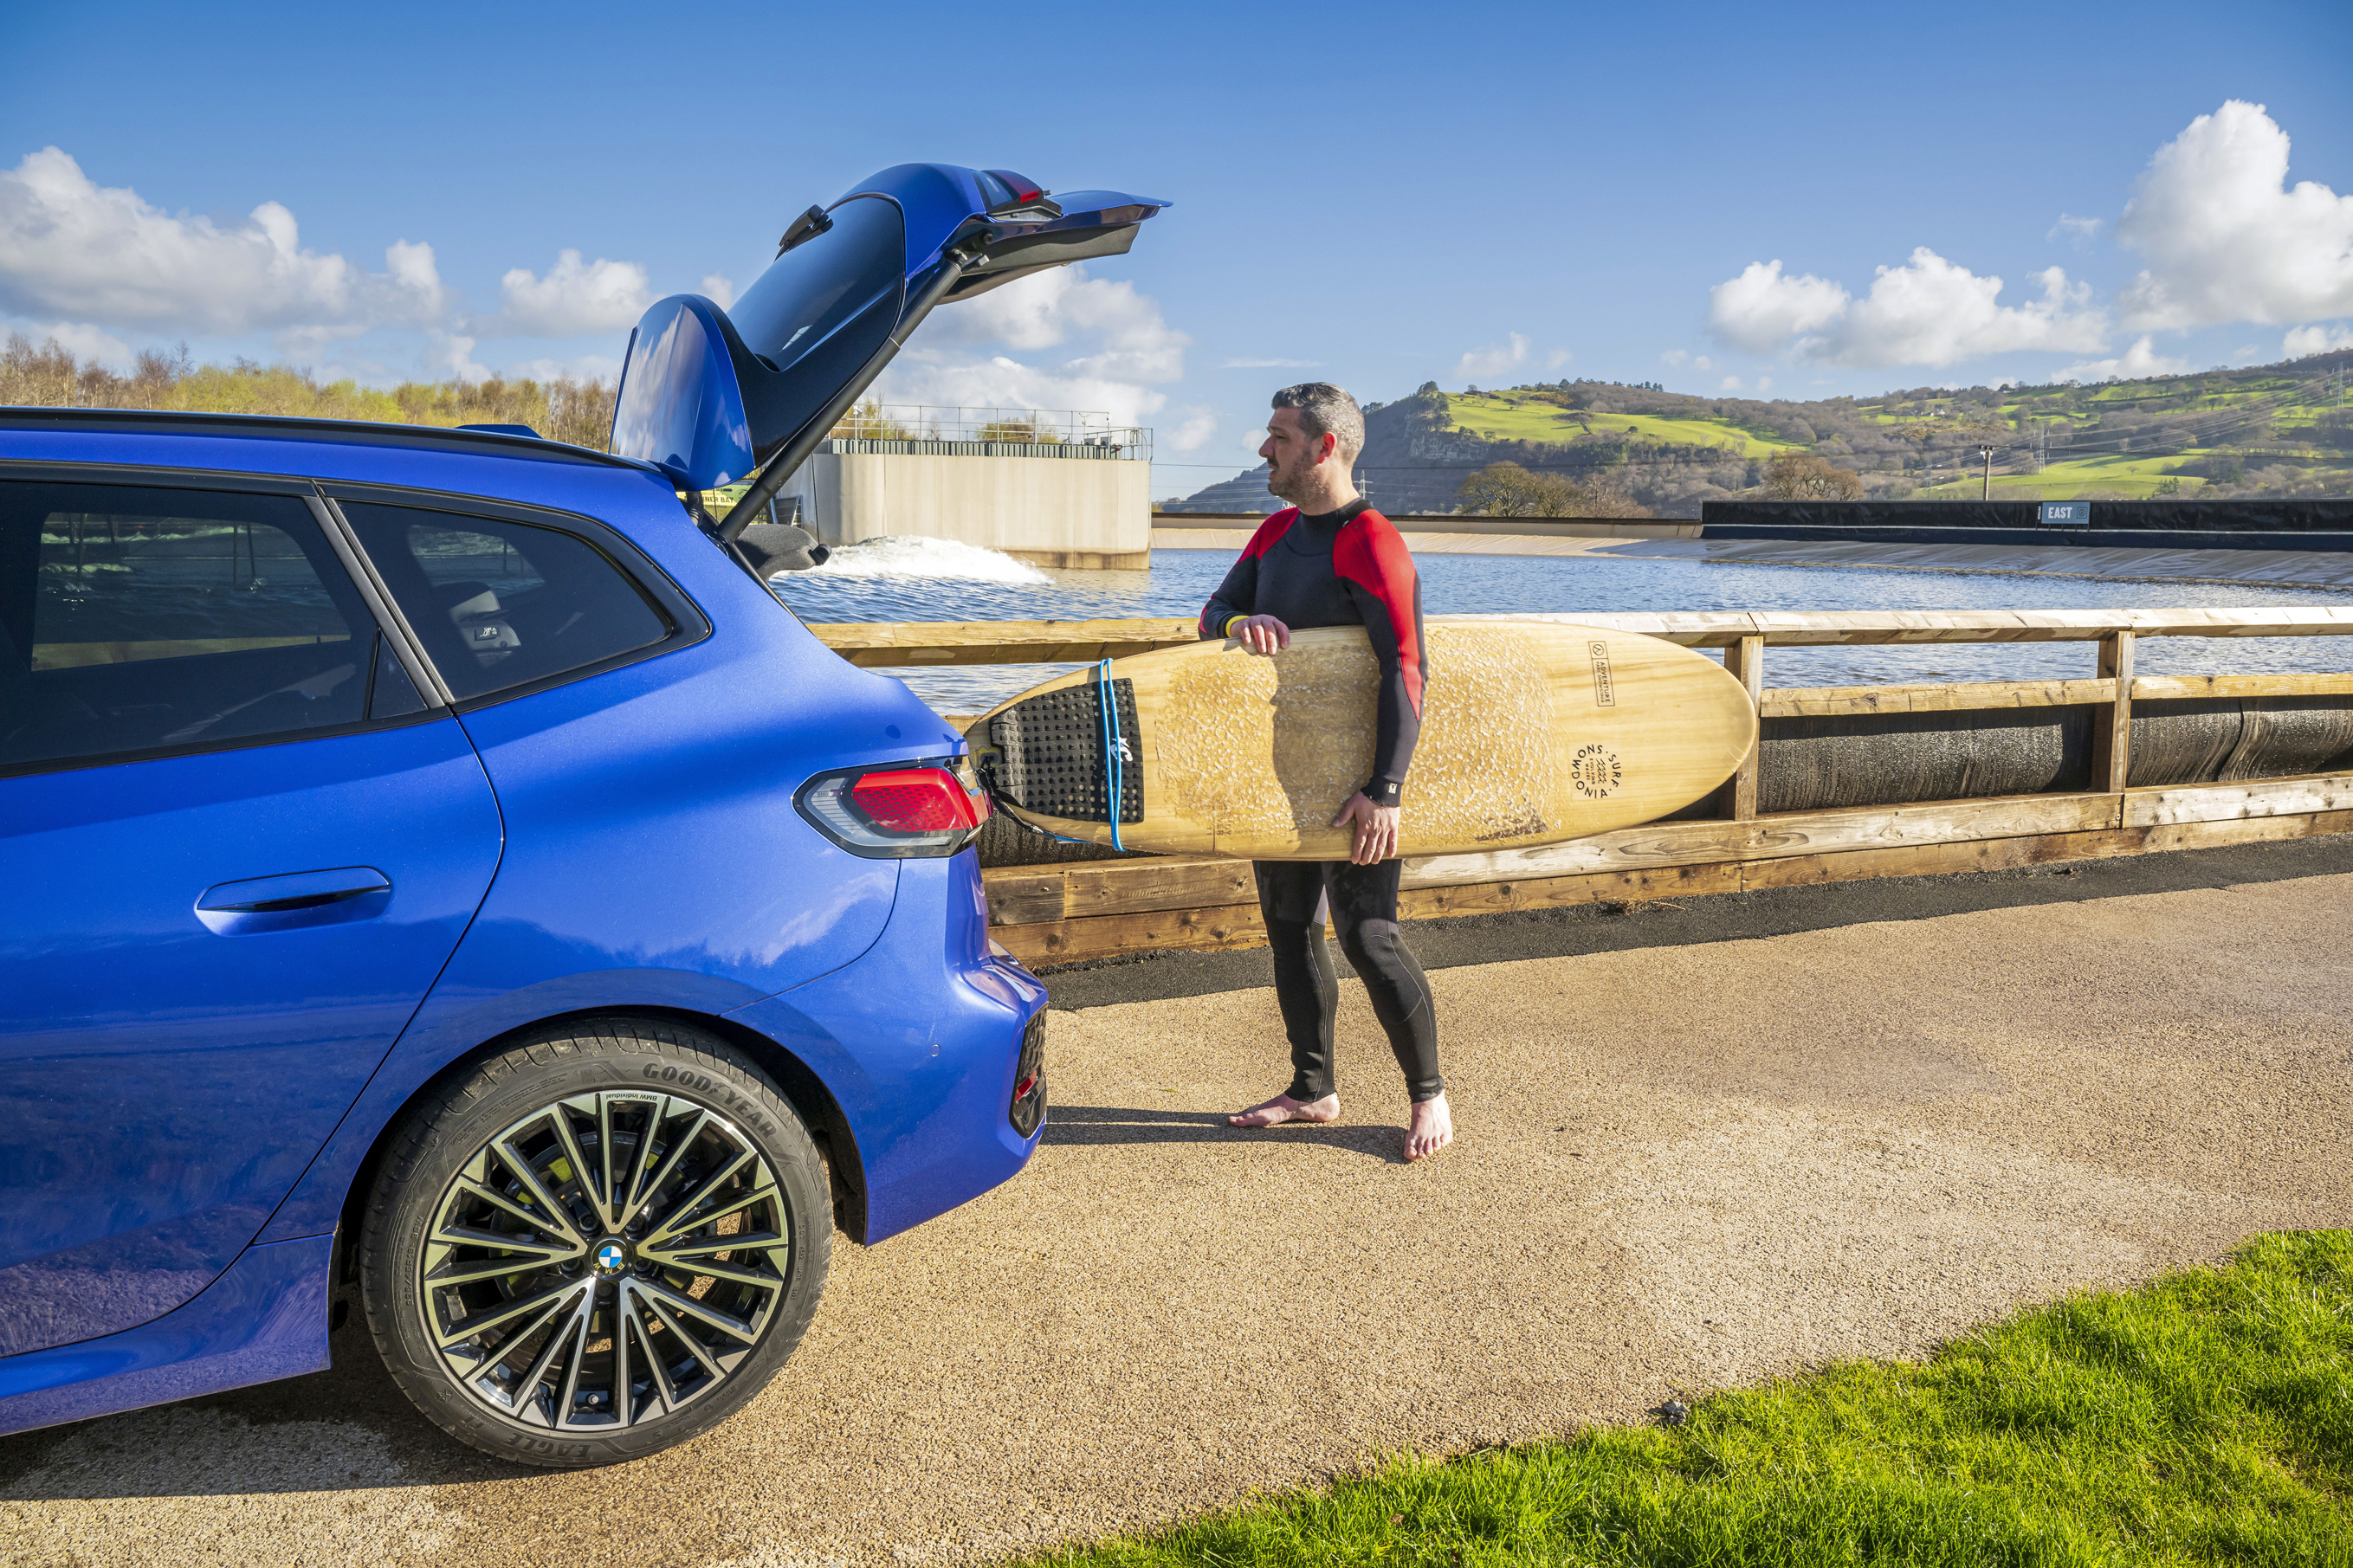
(1379, 195)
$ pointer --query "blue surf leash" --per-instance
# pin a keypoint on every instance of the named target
(1112, 746)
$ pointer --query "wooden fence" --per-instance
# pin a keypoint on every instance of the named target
(1055, 914)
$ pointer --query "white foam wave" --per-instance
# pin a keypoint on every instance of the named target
(910, 556)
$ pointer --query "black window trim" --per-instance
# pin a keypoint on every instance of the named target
(124, 476)
(683, 618)
(393, 626)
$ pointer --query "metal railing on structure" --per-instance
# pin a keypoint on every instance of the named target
(941, 429)
(2222, 759)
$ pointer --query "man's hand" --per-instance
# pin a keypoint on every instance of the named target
(1377, 829)
(1261, 633)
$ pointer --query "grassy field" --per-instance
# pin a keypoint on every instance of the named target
(2136, 478)
(1501, 418)
(2204, 1418)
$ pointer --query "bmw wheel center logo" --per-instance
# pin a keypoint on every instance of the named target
(611, 1257)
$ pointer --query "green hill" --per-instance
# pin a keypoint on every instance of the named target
(2279, 430)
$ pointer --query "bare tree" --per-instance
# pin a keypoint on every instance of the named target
(1507, 489)
(1802, 476)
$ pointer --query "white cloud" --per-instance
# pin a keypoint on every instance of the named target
(2225, 239)
(1680, 357)
(581, 367)
(1125, 350)
(2140, 360)
(72, 249)
(1761, 310)
(1494, 363)
(720, 291)
(2249, 351)
(1729, 384)
(1764, 383)
(455, 354)
(2079, 229)
(1674, 356)
(573, 300)
(1192, 431)
(1271, 364)
(1926, 311)
(2320, 340)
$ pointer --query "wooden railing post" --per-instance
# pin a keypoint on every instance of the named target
(1745, 659)
(2112, 725)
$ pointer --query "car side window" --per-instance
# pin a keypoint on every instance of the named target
(140, 620)
(500, 604)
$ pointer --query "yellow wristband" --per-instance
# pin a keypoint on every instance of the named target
(1233, 621)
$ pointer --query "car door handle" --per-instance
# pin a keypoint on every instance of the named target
(303, 898)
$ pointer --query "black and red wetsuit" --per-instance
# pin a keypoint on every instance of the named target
(1343, 569)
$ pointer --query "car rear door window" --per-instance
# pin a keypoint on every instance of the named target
(498, 604)
(141, 620)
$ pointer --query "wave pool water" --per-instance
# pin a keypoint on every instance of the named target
(941, 584)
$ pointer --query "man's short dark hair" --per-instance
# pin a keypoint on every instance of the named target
(1325, 410)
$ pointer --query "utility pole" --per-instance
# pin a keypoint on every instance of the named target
(1987, 453)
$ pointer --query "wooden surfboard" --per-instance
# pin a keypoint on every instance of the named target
(1532, 731)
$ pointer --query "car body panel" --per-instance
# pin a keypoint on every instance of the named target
(707, 394)
(921, 1053)
(264, 1318)
(166, 1072)
(685, 410)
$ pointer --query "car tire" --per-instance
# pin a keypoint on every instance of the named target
(547, 1201)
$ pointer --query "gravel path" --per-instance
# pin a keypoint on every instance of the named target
(1681, 1167)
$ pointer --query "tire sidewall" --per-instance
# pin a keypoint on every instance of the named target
(582, 1059)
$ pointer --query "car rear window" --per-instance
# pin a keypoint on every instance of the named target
(138, 620)
(498, 604)
(811, 289)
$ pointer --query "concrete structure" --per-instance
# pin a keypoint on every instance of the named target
(1069, 504)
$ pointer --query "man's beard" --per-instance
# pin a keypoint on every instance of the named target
(1288, 484)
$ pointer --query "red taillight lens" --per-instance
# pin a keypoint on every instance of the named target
(914, 800)
(907, 810)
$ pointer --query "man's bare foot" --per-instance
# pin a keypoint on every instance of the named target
(1282, 1108)
(1430, 1130)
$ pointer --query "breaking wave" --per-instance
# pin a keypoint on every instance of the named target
(909, 556)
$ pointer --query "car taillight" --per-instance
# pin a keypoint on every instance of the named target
(919, 808)
(914, 800)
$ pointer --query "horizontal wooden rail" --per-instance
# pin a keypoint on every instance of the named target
(1099, 909)
(1859, 628)
(875, 644)
(1838, 701)
(899, 643)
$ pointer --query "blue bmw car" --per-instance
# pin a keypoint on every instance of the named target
(440, 876)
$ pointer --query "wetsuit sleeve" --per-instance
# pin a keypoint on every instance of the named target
(1237, 596)
(1373, 563)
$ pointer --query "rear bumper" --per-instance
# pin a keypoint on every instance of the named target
(921, 1042)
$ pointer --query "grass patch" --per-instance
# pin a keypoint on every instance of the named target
(2122, 474)
(1502, 419)
(2206, 1417)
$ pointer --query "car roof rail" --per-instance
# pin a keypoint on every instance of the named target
(161, 421)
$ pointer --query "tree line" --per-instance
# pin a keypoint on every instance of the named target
(564, 407)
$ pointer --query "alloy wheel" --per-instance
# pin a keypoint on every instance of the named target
(604, 1261)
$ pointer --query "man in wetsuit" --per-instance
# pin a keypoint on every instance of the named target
(1331, 560)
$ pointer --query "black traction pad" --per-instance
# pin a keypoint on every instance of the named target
(1049, 755)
